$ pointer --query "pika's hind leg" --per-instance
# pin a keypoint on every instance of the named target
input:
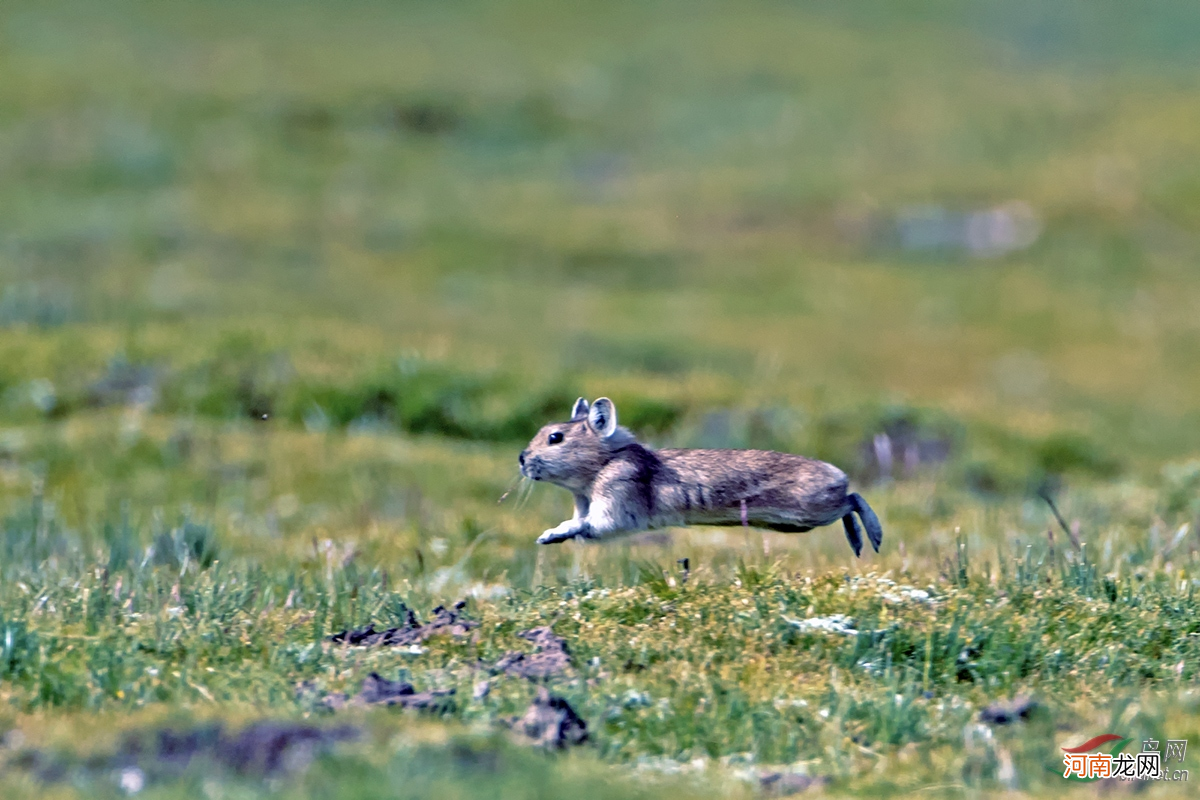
(870, 521)
(853, 534)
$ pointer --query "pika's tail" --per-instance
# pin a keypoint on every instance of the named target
(869, 521)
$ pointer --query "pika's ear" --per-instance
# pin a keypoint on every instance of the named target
(580, 410)
(602, 418)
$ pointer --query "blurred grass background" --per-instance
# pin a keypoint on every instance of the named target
(295, 281)
(970, 227)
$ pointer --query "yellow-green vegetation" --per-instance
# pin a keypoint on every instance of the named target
(285, 287)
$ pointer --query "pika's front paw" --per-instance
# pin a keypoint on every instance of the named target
(559, 533)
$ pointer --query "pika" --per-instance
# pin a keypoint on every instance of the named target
(621, 486)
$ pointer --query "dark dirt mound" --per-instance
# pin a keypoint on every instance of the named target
(548, 659)
(412, 631)
(551, 722)
(379, 691)
(264, 749)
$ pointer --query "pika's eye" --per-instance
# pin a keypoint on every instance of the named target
(554, 438)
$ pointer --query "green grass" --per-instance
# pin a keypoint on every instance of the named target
(707, 670)
(409, 234)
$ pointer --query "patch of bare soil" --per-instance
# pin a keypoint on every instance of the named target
(263, 749)
(550, 657)
(550, 722)
(412, 631)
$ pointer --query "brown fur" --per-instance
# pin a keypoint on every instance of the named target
(621, 486)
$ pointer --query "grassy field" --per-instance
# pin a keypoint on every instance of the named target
(285, 288)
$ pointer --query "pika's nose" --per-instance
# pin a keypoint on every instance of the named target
(521, 458)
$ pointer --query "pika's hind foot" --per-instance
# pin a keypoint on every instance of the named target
(853, 534)
(869, 520)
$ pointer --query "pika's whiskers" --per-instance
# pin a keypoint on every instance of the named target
(512, 485)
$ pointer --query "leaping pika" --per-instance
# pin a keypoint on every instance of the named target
(621, 486)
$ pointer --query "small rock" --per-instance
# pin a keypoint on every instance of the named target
(786, 783)
(482, 690)
(834, 623)
(131, 780)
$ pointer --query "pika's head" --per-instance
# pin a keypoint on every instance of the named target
(570, 454)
